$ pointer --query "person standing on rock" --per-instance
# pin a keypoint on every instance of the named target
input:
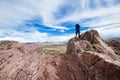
(77, 30)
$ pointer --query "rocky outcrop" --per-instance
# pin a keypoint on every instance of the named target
(91, 36)
(99, 60)
(7, 45)
(93, 43)
(115, 45)
(19, 62)
(87, 58)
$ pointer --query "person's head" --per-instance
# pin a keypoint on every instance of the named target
(77, 25)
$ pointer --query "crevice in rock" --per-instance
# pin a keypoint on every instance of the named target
(45, 73)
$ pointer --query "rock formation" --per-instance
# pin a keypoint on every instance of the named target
(87, 58)
(99, 59)
(115, 45)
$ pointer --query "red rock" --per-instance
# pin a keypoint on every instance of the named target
(82, 61)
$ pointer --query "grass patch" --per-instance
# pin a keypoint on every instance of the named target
(9, 46)
(54, 49)
(20, 47)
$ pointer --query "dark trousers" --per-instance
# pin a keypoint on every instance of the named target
(78, 33)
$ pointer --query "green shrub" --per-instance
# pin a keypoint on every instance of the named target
(20, 47)
(9, 46)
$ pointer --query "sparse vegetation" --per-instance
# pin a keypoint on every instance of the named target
(20, 47)
(93, 49)
(54, 49)
(9, 46)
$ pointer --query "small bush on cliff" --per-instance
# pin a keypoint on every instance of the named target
(9, 46)
(93, 49)
(20, 47)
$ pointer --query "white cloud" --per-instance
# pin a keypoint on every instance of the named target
(56, 27)
(62, 30)
(47, 8)
(14, 14)
(101, 12)
(36, 37)
(32, 36)
(110, 31)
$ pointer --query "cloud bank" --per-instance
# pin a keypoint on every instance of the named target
(44, 20)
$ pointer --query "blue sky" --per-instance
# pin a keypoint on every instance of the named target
(54, 20)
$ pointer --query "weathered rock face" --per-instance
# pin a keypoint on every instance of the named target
(115, 44)
(19, 62)
(83, 44)
(6, 45)
(99, 60)
(90, 36)
(100, 67)
(83, 61)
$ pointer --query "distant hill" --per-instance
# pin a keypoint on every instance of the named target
(52, 43)
(114, 38)
(46, 43)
